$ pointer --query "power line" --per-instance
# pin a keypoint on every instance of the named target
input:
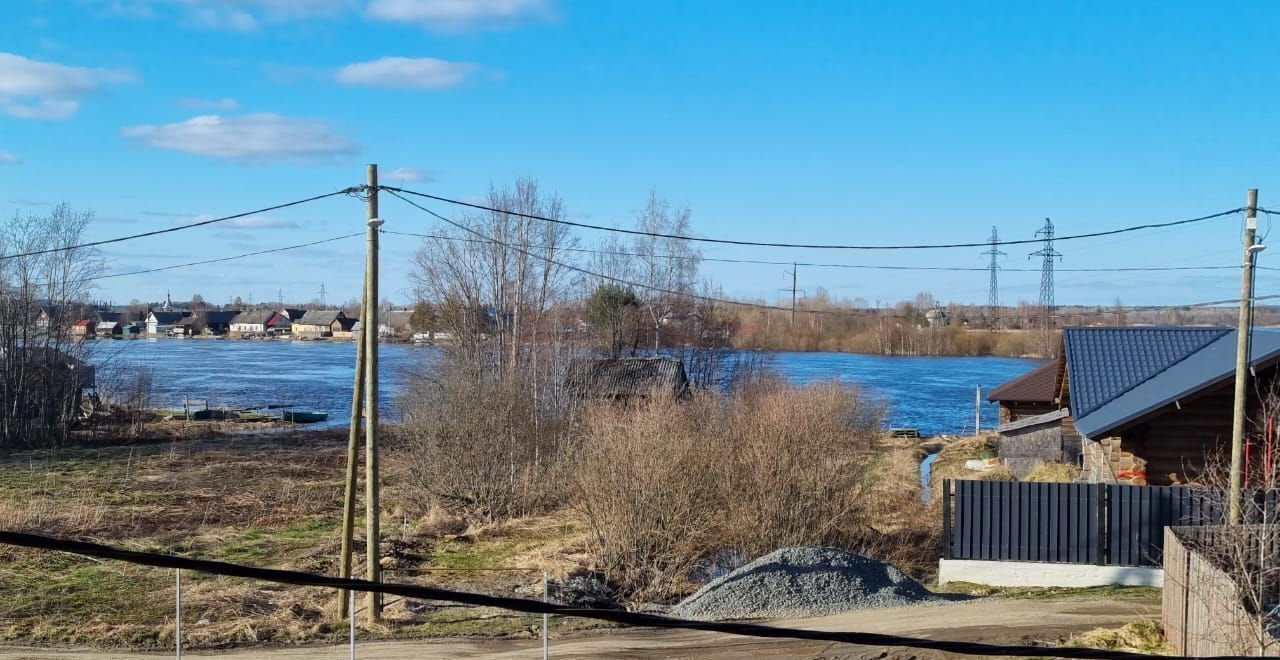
(829, 312)
(238, 256)
(530, 606)
(1117, 269)
(344, 191)
(636, 232)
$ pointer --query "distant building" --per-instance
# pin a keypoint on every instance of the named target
(344, 327)
(218, 322)
(252, 322)
(84, 328)
(937, 317)
(162, 322)
(317, 323)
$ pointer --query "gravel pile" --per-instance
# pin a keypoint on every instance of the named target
(803, 582)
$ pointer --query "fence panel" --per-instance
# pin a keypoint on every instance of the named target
(1011, 521)
(1075, 523)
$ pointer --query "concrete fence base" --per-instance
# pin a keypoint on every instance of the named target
(1038, 574)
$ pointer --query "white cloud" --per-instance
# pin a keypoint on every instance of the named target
(238, 15)
(259, 222)
(406, 73)
(253, 137)
(459, 14)
(32, 89)
(7, 158)
(209, 104)
(409, 175)
(230, 227)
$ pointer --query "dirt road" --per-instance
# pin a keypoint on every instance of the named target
(993, 621)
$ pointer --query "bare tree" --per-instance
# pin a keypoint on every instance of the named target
(488, 419)
(668, 267)
(41, 296)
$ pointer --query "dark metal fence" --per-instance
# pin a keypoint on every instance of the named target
(1105, 524)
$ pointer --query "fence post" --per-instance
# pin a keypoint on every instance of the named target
(1101, 526)
(946, 519)
(177, 621)
(546, 619)
(351, 623)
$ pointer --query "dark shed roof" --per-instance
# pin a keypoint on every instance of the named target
(621, 378)
(220, 318)
(1103, 363)
(1036, 386)
(1206, 367)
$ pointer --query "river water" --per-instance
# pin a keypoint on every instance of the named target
(932, 394)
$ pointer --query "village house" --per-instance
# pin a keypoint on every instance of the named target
(252, 322)
(109, 324)
(345, 327)
(217, 322)
(83, 328)
(279, 323)
(162, 322)
(1148, 405)
(317, 323)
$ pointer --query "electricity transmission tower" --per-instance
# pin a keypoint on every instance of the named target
(993, 297)
(1047, 253)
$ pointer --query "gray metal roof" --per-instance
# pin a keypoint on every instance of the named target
(253, 317)
(320, 317)
(1103, 363)
(1205, 367)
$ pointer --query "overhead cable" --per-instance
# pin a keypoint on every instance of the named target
(157, 232)
(828, 312)
(818, 246)
(220, 259)
(1119, 269)
(530, 606)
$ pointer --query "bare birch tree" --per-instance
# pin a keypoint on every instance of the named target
(41, 296)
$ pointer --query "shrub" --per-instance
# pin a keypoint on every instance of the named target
(485, 447)
(666, 485)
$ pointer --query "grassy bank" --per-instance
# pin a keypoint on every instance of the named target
(271, 500)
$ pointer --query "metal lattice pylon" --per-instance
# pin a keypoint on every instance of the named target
(993, 297)
(1047, 253)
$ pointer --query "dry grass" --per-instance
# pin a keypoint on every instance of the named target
(271, 500)
(1142, 636)
(1054, 473)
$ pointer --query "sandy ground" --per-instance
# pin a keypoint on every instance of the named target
(991, 621)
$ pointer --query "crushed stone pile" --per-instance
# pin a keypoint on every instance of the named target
(803, 582)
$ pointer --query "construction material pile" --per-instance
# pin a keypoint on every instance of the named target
(802, 582)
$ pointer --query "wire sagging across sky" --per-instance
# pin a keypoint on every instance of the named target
(233, 257)
(201, 223)
(482, 238)
(1118, 269)
(815, 246)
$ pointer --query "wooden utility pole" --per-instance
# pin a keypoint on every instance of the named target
(794, 268)
(369, 319)
(353, 460)
(1242, 355)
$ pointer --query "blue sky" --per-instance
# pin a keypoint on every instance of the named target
(848, 122)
